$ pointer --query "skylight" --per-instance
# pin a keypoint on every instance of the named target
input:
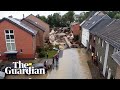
(93, 22)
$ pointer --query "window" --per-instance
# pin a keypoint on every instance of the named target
(100, 59)
(10, 41)
(102, 43)
(94, 39)
(99, 40)
(97, 53)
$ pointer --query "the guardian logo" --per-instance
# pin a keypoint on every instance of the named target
(23, 68)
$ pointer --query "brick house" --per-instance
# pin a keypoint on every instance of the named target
(107, 49)
(40, 32)
(41, 24)
(17, 40)
(75, 28)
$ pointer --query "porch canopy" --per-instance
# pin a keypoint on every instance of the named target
(11, 52)
(116, 57)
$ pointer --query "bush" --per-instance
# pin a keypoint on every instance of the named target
(57, 46)
(40, 50)
(42, 54)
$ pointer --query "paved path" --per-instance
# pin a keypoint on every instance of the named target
(70, 67)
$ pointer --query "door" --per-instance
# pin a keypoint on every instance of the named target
(11, 57)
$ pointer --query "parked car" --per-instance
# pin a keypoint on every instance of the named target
(6, 65)
(38, 66)
(48, 64)
(2, 75)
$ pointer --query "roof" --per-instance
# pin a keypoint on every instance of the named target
(99, 26)
(92, 21)
(116, 57)
(21, 25)
(37, 18)
(111, 33)
(35, 24)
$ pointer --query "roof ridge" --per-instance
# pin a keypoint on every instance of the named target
(111, 22)
(24, 26)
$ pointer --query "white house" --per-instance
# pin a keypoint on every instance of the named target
(90, 23)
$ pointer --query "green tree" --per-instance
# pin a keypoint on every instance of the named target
(57, 19)
(50, 20)
(42, 18)
(83, 16)
(117, 16)
(67, 18)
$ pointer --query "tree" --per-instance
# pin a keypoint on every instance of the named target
(57, 19)
(50, 20)
(117, 16)
(67, 18)
(42, 18)
(83, 16)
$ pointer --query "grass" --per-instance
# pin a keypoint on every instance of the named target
(51, 53)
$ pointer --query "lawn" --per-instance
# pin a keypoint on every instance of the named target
(51, 53)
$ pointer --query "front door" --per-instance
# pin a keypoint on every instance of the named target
(11, 56)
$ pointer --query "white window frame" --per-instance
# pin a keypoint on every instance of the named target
(100, 59)
(97, 53)
(90, 47)
(11, 40)
(99, 40)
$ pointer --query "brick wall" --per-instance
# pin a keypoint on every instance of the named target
(40, 37)
(23, 40)
(41, 23)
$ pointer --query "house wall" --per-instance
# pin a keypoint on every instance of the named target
(85, 36)
(111, 63)
(117, 76)
(40, 37)
(101, 52)
(91, 41)
(41, 23)
(100, 49)
(23, 40)
(76, 29)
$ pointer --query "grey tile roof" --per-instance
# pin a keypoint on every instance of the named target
(100, 26)
(24, 26)
(35, 24)
(111, 33)
(116, 57)
(89, 23)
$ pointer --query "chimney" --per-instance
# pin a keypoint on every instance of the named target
(23, 15)
(10, 16)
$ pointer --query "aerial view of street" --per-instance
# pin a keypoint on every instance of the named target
(60, 45)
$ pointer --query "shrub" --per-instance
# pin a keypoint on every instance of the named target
(39, 50)
(42, 54)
